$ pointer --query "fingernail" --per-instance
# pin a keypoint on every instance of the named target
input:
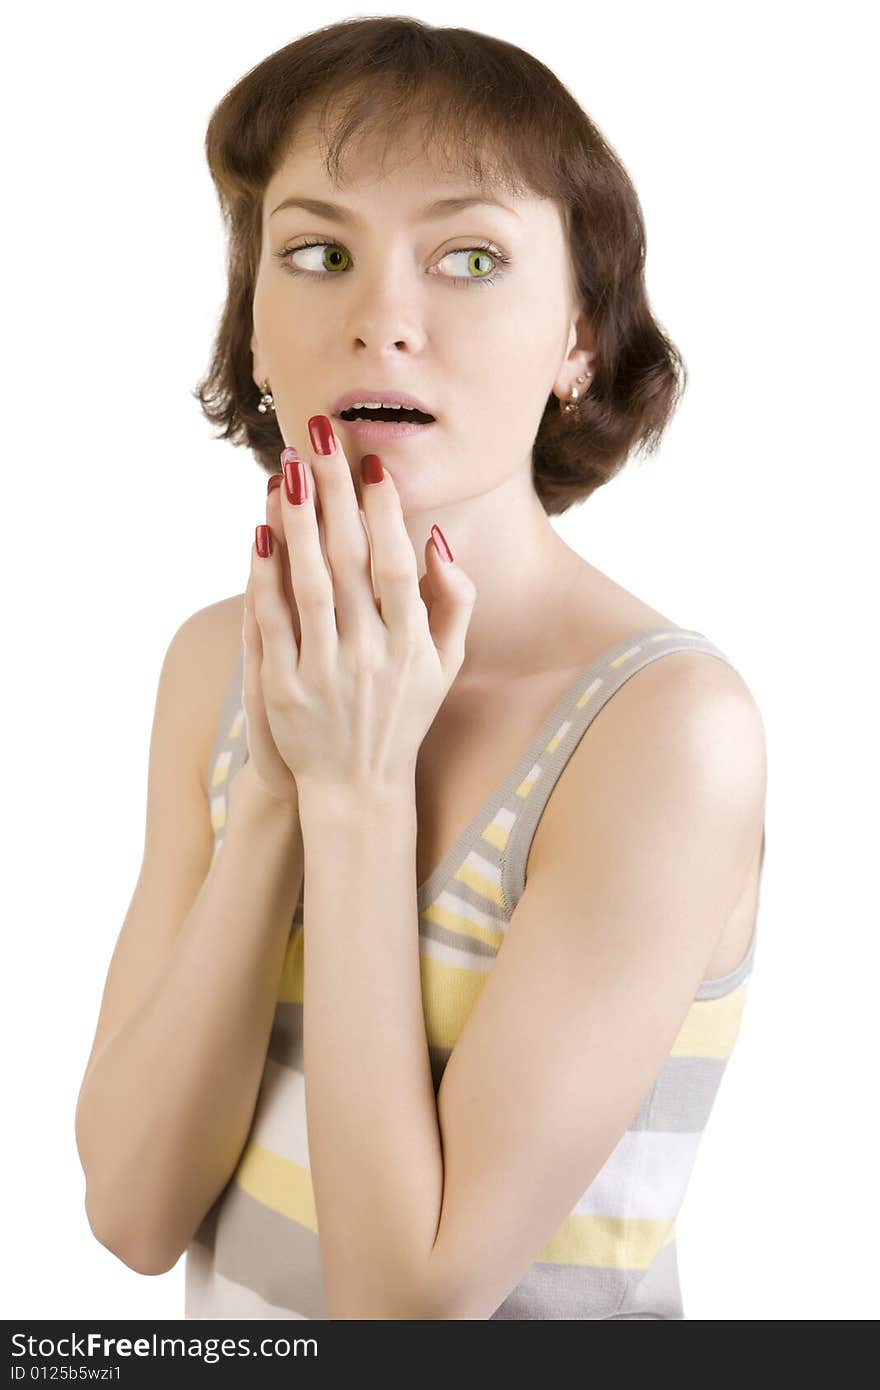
(264, 541)
(288, 454)
(295, 481)
(274, 481)
(371, 469)
(440, 545)
(321, 435)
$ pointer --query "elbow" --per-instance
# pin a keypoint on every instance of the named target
(139, 1256)
(148, 1262)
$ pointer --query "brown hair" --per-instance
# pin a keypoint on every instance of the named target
(475, 95)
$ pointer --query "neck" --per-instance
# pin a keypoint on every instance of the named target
(524, 572)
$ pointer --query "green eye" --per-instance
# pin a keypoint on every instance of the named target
(472, 251)
(331, 261)
(334, 254)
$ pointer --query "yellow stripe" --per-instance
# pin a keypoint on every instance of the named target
(496, 835)
(453, 921)
(290, 988)
(277, 1183)
(448, 995)
(588, 695)
(221, 767)
(624, 656)
(711, 1026)
(606, 1242)
(489, 890)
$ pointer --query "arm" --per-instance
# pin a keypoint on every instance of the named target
(437, 1210)
(374, 1140)
(155, 1146)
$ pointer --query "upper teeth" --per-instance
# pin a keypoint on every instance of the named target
(378, 405)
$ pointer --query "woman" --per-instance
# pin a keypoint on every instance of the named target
(478, 1089)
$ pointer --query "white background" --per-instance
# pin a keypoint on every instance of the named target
(749, 134)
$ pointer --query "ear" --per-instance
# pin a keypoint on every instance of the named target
(581, 346)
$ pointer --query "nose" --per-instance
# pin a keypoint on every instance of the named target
(387, 314)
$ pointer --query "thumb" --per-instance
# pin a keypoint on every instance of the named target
(449, 595)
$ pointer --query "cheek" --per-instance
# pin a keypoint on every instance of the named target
(270, 314)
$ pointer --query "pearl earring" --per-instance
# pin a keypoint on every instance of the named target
(573, 397)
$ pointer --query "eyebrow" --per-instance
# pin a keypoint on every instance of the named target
(442, 207)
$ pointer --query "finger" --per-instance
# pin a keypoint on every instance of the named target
(311, 580)
(279, 654)
(273, 519)
(348, 548)
(395, 567)
(449, 595)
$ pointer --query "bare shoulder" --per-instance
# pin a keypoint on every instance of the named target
(686, 724)
(212, 636)
(705, 709)
(691, 708)
(695, 691)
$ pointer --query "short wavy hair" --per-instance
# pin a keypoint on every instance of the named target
(494, 111)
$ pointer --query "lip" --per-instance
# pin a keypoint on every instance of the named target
(382, 430)
(380, 393)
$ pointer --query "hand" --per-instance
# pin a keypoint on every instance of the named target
(270, 769)
(349, 699)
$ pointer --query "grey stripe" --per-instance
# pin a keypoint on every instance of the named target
(566, 1292)
(461, 889)
(435, 932)
(656, 1293)
(286, 1037)
(270, 1254)
(681, 1098)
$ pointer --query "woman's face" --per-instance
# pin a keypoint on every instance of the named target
(399, 298)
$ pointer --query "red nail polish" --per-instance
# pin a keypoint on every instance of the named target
(296, 482)
(321, 435)
(264, 541)
(274, 481)
(440, 545)
(371, 469)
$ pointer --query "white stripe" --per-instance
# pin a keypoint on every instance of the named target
(451, 902)
(279, 1123)
(481, 866)
(644, 1177)
(452, 955)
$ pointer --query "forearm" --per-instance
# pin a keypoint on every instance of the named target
(374, 1139)
(164, 1114)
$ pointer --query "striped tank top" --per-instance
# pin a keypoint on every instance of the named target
(257, 1251)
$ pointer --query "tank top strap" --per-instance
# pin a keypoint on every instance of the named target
(566, 726)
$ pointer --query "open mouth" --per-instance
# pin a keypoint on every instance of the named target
(386, 424)
(388, 415)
